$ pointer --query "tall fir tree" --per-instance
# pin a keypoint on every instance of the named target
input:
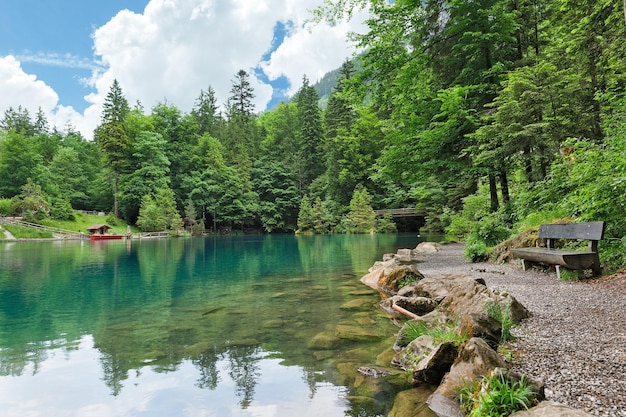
(310, 131)
(112, 137)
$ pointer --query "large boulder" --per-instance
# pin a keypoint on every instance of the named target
(414, 352)
(427, 247)
(394, 272)
(476, 359)
(471, 295)
(551, 409)
(431, 369)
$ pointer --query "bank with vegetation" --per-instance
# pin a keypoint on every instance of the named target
(491, 117)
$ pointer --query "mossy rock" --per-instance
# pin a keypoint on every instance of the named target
(402, 275)
(356, 333)
(358, 304)
(273, 324)
(198, 349)
(324, 341)
(412, 403)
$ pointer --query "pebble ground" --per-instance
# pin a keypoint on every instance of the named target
(575, 339)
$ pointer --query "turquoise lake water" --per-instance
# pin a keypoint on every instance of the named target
(222, 326)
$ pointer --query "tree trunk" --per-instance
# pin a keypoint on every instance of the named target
(504, 187)
(528, 164)
(115, 206)
(495, 204)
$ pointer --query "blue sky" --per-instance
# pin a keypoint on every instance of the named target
(55, 42)
(62, 56)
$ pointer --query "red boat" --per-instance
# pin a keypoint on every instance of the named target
(98, 236)
(100, 232)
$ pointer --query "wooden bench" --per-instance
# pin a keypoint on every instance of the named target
(571, 259)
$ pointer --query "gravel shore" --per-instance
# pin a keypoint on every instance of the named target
(575, 340)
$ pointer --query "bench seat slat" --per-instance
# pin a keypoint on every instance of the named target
(567, 258)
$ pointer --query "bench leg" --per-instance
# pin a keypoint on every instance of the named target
(524, 263)
(558, 271)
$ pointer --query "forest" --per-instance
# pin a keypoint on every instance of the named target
(491, 116)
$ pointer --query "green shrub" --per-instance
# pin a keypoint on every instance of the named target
(5, 207)
(491, 230)
(386, 224)
(111, 219)
(476, 249)
(61, 209)
(496, 311)
(496, 396)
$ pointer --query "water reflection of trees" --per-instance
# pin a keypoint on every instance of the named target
(244, 371)
(206, 363)
(148, 307)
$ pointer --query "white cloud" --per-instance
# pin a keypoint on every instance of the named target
(20, 89)
(175, 48)
(312, 50)
(17, 88)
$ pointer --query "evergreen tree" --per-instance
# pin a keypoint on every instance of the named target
(306, 220)
(111, 136)
(310, 131)
(361, 218)
(206, 112)
(241, 96)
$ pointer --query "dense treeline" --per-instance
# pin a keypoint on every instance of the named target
(490, 115)
(499, 114)
(230, 170)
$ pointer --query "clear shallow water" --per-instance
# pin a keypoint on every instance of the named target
(226, 326)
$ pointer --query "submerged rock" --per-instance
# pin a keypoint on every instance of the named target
(357, 333)
(324, 341)
(412, 403)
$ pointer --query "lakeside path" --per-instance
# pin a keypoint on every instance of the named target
(575, 339)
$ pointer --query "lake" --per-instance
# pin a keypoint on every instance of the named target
(220, 326)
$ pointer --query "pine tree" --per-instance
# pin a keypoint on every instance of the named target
(310, 131)
(111, 136)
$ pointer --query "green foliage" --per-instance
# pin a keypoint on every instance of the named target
(496, 396)
(445, 333)
(306, 220)
(503, 315)
(476, 249)
(484, 235)
(386, 224)
(61, 209)
(5, 207)
(31, 203)
(111, 220)
(151, 217)
(361, 218)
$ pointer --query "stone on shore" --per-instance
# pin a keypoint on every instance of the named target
(551, 409)
(427, 247)
(476, 359)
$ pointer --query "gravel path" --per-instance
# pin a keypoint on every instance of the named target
(575, 340)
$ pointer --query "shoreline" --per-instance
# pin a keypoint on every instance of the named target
(575, 339)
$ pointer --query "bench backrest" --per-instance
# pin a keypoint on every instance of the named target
(582, 231)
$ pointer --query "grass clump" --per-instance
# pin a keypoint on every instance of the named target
(503, 315)
(497, 396)
(445, 333)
